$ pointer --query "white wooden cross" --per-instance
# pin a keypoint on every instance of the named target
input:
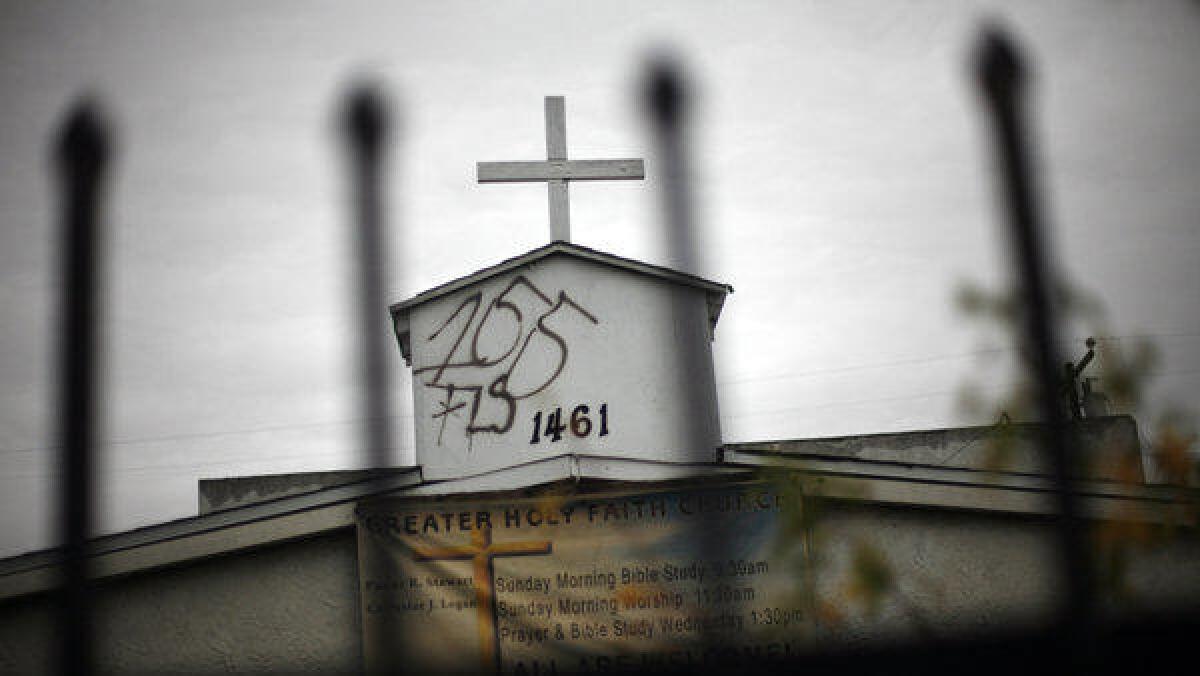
(557, 170)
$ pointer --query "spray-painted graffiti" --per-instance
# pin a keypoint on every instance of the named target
(495, 358)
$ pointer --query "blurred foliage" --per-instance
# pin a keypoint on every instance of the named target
(860, 581)
(796, 543)
(1173, 450)
(1124, 367)
(870, 577)
(860, 587)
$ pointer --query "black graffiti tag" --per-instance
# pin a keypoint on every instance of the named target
(523, 310)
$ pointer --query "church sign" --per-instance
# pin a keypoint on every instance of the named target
(667, 578)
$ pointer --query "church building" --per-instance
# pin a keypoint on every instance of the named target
(574, 508)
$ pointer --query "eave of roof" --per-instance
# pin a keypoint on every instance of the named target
(570, 249)
(324, 510)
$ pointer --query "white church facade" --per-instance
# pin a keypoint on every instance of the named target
(569, 514)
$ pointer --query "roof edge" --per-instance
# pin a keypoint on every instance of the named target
(570, 249)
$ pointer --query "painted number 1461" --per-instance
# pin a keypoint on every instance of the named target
(579, 423)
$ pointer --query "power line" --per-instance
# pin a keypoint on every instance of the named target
(831, 404)
(936, 358)
(903, 397)
(800, 374)
(206, 435)
(864, 367)
(212, 463)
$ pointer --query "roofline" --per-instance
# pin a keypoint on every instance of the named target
(856, 480)
(385, 480)
(561, 247)
(769, 454)
(306, 515)
(1024, 427)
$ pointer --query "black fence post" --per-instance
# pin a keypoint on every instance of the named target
(81, 158)
(667, 101)
(365, 123)
(1002, 79)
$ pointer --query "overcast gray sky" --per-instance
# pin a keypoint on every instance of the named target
(842, 176)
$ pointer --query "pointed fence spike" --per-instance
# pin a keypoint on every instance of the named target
(1000, 70)
(665, 92)
(665, 99)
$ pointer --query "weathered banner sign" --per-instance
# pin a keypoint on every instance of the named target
(628, 581)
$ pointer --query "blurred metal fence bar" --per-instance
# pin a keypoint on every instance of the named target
(1002, 78)
(365, 124)
(82, 157)
(667, 102)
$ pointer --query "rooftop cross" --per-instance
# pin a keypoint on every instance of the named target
(557, 170)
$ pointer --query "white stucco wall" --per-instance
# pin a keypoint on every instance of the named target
(289, 608)
(560, 334)
(294, 607)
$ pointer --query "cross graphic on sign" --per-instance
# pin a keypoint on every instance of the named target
(481, 551)
(557, 170)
